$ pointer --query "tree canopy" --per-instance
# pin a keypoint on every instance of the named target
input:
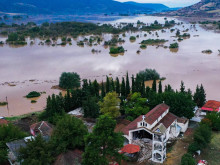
(69, 80)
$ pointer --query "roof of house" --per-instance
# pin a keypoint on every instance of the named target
(130, 148)
(43, 127)
(121, 124)
(182, 120)
(3, 122)
(211, 105)
(168, 119)
(155, 113)
(70, 157)
(151, 117)
(160, 128)
(15, 146)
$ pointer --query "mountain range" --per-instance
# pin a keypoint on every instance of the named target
(203, 9)
(32, 7)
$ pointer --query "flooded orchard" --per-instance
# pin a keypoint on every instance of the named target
(38, 67)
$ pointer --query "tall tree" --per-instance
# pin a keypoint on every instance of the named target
(96, 88)
(199, 96)
(90, 107)
(103, 143)
(127, 85)
(107, 84)
(103, 90)
(123, 88)
(160, 87)
(110, 105)
(69, 80)
(117, 86)
(69, 134)
(112, 85)
(182, 87)
(133, 84)
(154, 85)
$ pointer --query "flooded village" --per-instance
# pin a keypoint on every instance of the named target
(109, 90)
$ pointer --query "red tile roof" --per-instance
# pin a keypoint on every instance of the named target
(130, 148)
(3, 122)
(168, 119)
(43, 127)
(155, 113)
(151, 117)
(211, 104)
(182, 120)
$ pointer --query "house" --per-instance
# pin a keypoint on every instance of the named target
(44, 128)
(211, 106)
(156, 128)
(14, 148)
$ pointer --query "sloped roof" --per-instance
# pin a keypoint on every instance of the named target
(43, 127)
(15, 146)
(168, 119)
(3, 122)
(130, 148)
(182, 120)
(211, 105)
(121, 124)
(151, 117)
(155, 113)
(69, 158)
(161, 128)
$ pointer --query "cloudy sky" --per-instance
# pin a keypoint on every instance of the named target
(170, 3)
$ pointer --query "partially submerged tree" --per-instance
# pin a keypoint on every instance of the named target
(69, 80)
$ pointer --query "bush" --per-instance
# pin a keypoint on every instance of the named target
(187, 159)
(202, 135)
(33, 94)
(116, 50)
(174, 45)
(3, 103)
(33, 101)
(193, 147)
(69, 80)
(132, 38)
(143, 46)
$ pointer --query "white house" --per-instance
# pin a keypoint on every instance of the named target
(157, 126)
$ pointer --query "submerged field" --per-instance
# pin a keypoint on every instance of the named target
(38, 67)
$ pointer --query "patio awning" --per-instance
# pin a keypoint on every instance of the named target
(130, 148)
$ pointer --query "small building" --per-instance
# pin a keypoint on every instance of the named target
(156, 128)
(44, 128)
(14, 148)
(211, 106)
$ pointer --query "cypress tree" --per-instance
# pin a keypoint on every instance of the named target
(107, 85)
(147, 93)
(182, 87)
(103, 90)
(154, 85)
(96, 88)
(123, 90)
(133, 84)
(112, 85)
(143, 89)
(138, 83)
(202, 96)
(127, 85)
(117, 86)
(160, 87)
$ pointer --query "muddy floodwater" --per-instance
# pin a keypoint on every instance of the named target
(38, 67)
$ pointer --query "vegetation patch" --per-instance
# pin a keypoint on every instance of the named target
(174, 45)
(116, 50)
(33, 101)
(3, 103)
(153, 41)
(33, 94)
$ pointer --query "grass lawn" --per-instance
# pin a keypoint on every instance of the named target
(22, 116)
(212, 152)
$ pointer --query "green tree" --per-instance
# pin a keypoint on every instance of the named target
(182, 87)
(110, 105)
(69, 134)
(107, 84)
(187, 159)
(202, 135)
(103, 90)
(112, 85)
(90, 107)
(154, 85)
(127, 85)
(149, 74)
(96, 88)
(160, 87)
(133, 84)
(103, 143)
(199, 96)
(8, 133)
(123, 88)
(117, 86)
(69, 80)
(37, 152)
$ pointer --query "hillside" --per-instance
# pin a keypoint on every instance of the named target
(74, 7)
(205, 8)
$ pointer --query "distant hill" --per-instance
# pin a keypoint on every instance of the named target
(76, 7)
(205, 8)
(154, 6)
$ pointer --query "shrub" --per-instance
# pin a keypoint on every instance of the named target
(69, 80)
(193, 147)
(132, 38)
(3, 103)
(116, 50)
(33, 94)
(187, 159)
(33, 101)
(143, 46)
(174, 45)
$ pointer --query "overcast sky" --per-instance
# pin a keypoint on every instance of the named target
(170, 3)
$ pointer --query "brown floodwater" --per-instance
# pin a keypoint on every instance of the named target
(44, 64)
